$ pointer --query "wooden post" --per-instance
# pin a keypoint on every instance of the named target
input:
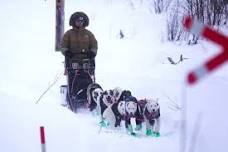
(59, 23)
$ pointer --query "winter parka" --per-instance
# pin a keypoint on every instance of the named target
(80, 42)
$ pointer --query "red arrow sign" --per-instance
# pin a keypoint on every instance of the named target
(199, 29)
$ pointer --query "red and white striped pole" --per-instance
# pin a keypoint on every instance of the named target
(42, 139)
(207, 67)
(198, 28)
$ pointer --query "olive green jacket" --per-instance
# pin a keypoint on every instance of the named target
(79, 42)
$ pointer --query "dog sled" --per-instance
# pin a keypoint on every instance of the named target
(80, 74)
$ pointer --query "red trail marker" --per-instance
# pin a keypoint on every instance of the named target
(42, 139)
(198, 28)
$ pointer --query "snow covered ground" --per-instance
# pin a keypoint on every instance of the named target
(137, 62)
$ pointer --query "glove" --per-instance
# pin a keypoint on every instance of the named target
(69, 54)
(91, 54)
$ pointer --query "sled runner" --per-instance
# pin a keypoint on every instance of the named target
(80, 74)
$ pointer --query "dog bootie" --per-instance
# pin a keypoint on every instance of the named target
(104, 123)
(156, 134)
(149, 132)
(130, 130)
(138, 127)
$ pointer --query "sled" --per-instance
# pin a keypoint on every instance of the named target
(80, 74)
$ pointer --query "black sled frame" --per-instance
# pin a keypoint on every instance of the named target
(80, 74)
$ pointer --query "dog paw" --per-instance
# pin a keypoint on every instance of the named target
(138, 127)
(149, 132)
(104, 123)
(156, 134)
(134, 134)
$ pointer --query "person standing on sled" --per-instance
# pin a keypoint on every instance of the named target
(79, 43)
(79, 46)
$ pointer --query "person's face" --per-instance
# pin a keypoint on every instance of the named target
(79, 23)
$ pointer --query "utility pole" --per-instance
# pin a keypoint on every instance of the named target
(59, 26)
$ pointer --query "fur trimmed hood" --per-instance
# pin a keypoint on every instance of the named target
(76, 16)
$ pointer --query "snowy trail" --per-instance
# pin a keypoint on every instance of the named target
(68, 131)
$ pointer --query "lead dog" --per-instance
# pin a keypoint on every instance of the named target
(150, 110)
